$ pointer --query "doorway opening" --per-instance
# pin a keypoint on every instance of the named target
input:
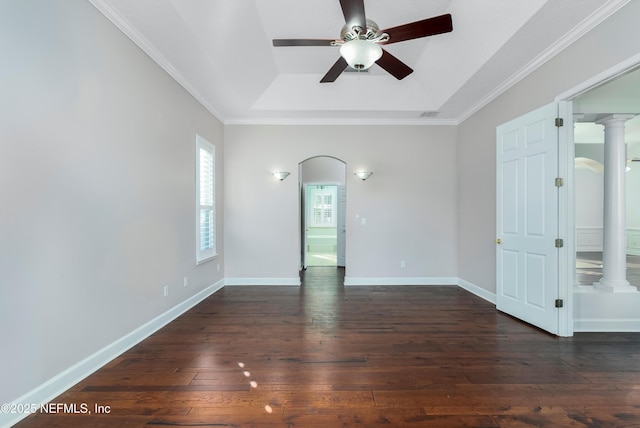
(322, 212)
(594, 311)
(321, 225)
(617, 96)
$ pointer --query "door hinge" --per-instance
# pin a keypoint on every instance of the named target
(559, 122)
(559, 243)
(559, 182)
(559, 303)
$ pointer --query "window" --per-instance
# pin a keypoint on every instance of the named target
(206, 200)
(323, 208)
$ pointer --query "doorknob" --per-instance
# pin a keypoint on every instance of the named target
(499, 241)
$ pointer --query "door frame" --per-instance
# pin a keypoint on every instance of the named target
(305, 213)
(566, 218)
(302, 203)
(566, 169)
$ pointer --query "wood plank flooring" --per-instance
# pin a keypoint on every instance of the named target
(325, 356)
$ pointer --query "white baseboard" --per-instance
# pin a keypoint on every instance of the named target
(470, 287)
(478, 291)
(74, 374)
(606, 325)
(351, 281)
(597, 310)
(262, 281)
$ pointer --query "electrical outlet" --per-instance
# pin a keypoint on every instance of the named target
(186, 281)
(363, 221)
(218, 267)
(403, 264)
(166, 290)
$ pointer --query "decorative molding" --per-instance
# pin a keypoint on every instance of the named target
(233, 282)
(109, 11)
(607, 9)
(74, 374)
(620, 69)
(478, 291)
(633, 241)
(589, 238)
(343, 121)
(351, 281)
(112, 14)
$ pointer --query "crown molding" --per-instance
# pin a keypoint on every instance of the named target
(607, 9)
(595, 19)
(111, 13)
(341, 121)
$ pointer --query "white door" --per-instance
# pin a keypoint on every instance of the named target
(527, 259)
(342, 225)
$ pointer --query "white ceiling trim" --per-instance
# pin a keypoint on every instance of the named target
(585, 26)
(121, 23)
(147, 47)
(627, 66)
(346, 121)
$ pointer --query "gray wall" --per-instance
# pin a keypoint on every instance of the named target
(97, 183)
(409, 202)
(609, 44)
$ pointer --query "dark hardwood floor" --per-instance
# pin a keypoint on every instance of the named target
(325, 356)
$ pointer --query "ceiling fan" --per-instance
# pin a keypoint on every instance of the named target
(360, 41)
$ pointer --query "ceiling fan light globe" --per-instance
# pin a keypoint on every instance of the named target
(360, 54)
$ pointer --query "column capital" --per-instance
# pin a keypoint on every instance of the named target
(615, 117)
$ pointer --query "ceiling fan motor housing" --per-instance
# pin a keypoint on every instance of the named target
(349, 32)
(360, 47)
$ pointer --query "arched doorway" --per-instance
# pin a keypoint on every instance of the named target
(323, 199)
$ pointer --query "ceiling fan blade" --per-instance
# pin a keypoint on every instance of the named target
(394, 66)
(302, 42)
(353, 11)
(335, 71)
(415, 30)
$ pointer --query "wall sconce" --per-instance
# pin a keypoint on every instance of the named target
(281, 175)
(363, 175)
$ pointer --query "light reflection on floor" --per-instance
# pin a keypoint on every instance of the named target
(321, 259)
(254, 385)
(322, 301)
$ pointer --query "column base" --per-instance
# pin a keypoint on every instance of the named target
(615, 286)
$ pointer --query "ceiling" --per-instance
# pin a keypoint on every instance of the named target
(221, 52)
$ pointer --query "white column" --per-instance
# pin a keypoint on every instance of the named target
(614, 254)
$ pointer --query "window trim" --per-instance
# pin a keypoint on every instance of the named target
(210, 253)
